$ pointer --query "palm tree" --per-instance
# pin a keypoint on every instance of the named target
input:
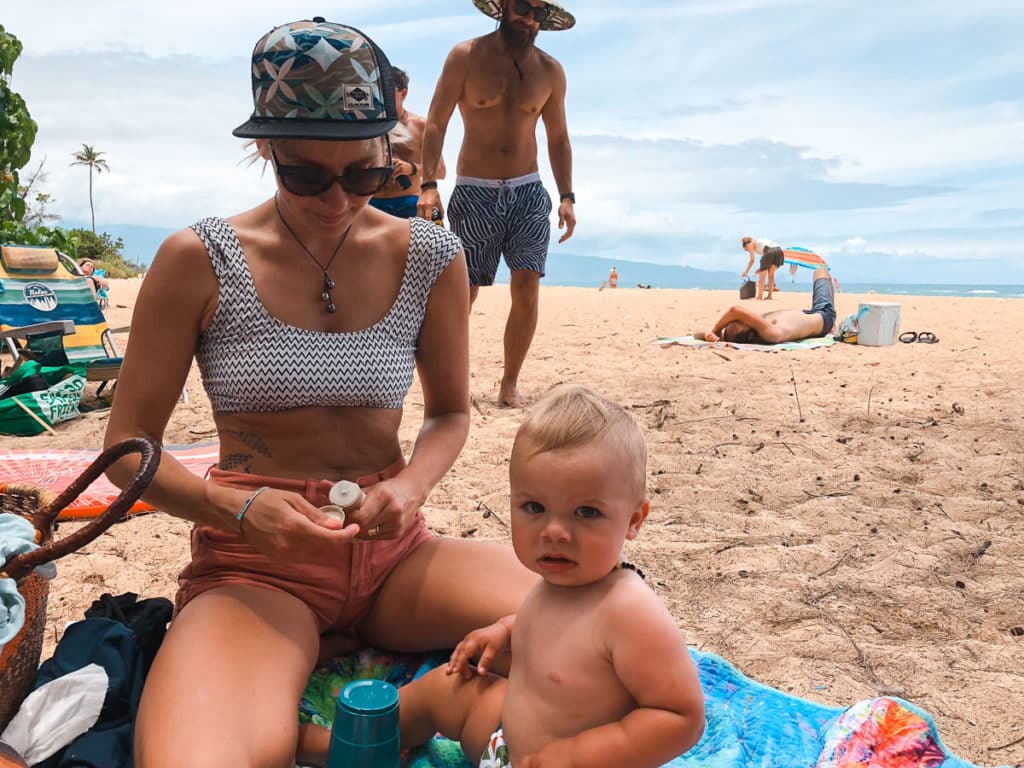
(90, 157)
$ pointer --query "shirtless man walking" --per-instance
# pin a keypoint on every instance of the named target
(402, 192)
(502, 83)
(742, 325)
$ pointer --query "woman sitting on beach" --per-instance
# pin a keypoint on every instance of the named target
(98, 283)
(307, 316)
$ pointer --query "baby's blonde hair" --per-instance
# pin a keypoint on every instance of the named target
(572, 416)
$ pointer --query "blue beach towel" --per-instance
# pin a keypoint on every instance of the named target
(748, 724)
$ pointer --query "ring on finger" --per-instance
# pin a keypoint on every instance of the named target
(371, 532)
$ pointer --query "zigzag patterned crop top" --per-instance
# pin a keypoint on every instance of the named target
(251, 362)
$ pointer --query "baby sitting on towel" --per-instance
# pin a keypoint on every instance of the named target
(600, 674)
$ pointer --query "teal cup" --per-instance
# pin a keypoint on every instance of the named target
(365, 730)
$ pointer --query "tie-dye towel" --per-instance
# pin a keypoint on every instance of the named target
(785, 346)
(748, 724)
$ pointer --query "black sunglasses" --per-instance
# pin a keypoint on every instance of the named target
(540, 13)
(312, 180)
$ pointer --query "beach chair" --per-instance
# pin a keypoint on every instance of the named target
(48, 310)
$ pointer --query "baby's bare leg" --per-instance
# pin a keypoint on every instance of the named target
(467, 711)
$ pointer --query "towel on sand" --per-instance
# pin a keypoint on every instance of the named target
(785, 346)
(54, 469)
(748, 724)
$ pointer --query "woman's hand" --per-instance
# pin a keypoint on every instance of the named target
(483, 644)
(284, 525)
(388, 509)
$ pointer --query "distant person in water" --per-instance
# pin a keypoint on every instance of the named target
(772, 257)
(744, 326)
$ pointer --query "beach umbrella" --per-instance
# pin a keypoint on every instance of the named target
(798, 257)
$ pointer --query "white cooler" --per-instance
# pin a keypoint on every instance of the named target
(880, 325)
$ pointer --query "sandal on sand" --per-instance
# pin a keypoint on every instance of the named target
(924, 337)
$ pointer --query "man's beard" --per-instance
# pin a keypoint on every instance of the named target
(518, 40)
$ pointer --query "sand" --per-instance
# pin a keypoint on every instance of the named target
(839, 523)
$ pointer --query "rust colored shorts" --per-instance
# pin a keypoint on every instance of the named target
(340, 592)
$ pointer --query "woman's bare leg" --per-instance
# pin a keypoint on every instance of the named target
(442, 591)
(224, 687)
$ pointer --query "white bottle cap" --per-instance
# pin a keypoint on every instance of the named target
(346, 494)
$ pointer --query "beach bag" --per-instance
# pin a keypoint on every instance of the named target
(848, 329)
(748, 290)
(36, 396)
(19, 658)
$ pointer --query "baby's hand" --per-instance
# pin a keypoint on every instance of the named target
(483, 644)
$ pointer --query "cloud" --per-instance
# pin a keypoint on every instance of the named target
(865, 132)
(1002, 215)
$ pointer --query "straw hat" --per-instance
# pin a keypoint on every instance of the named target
(558, 20)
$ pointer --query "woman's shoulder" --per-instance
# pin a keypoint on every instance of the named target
(183, 252)
(431, 238)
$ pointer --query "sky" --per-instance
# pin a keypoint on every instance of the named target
(889, 139)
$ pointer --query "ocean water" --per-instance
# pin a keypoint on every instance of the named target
(931, 289)
(584, 272)
(590, 271)
(578, 270)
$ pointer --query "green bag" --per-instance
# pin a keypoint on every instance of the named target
(56, 393)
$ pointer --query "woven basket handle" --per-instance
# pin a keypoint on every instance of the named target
(43, 520)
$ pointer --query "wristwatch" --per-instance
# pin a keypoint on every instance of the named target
(570, 196)
(428, 185)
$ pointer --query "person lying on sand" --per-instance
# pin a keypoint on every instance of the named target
(600, 675)
(744, 326)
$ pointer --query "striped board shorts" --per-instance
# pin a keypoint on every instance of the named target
(501, 217)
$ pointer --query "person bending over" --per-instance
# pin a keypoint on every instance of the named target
(741, 325)
(600, 675)
(772, 257)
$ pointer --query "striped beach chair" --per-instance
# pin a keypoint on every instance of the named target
(42, 288)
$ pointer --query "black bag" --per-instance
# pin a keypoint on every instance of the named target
(748, 290)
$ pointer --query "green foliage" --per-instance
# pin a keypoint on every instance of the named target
(16, 232)
(107, 253)
(17, 132)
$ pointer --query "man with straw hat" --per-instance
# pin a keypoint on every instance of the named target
(502, 83)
